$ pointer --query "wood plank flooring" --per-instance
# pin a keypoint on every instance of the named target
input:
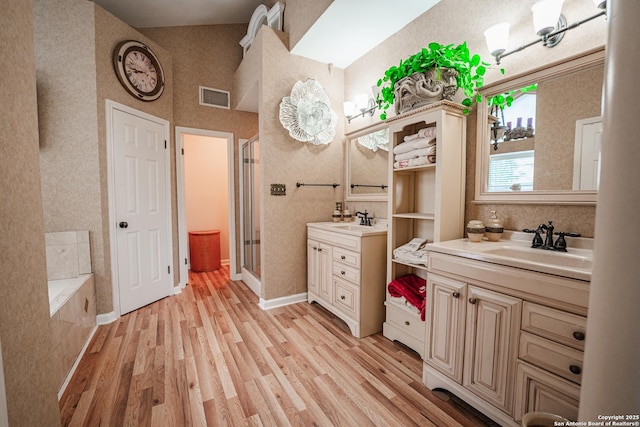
(211, 357)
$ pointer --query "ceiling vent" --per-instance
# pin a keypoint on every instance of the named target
(214, 97)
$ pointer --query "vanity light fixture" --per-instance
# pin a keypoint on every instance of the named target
(549, 24)
(363, 105)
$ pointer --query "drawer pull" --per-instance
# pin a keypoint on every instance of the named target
(578, 335)
(473, 300)
(342, 272)
(342, 297)
(575, 369)
(456, 294)
(343, 257)
(406, 322)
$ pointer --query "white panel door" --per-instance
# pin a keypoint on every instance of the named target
(141, 207)
(588, 147)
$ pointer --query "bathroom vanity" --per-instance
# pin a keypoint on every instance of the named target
(506, 325)
(346, 272)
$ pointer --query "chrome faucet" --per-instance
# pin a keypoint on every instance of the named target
(364, 217)
(559, 245)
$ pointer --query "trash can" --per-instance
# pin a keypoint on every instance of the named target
(204, 250)
(542, 419)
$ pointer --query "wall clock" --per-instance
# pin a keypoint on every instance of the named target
(139, 70)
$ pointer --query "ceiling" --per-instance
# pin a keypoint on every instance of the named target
(347, 30)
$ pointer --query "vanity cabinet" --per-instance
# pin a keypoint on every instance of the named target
(472, 337)
(346, 275)
(425, 201)
(506, 340)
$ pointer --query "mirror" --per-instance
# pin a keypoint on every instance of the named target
(367, 164)
(550, 153)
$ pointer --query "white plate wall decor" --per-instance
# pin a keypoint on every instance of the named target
(307, 113)
(376, 140)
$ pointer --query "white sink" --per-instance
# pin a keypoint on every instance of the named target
(351, 228)
(562, 259)
(576, 263)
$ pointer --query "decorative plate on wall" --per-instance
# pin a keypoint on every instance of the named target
(376, 140)
(307, 114)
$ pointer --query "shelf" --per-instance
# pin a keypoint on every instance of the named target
(415, 168)
(408, 264)
(415, 215)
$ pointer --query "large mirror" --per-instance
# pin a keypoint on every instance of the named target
(550, 152)
(367, 154)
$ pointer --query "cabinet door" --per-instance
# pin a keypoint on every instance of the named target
(493, 322)
(313, 266)
(325, 283)
(445, 318)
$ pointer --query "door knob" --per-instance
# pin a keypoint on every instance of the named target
(123, 224)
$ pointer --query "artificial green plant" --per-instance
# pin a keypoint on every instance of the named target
(471, 70)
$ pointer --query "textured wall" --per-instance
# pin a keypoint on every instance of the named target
(446, 24)
(299, 16)
(25, 328)
(206, 56)
(287, 161)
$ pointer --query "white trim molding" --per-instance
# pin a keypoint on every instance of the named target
(261, 16)
(282, 301)
(106, 318)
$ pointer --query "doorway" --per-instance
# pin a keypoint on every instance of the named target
(205, 190)
(250, 212)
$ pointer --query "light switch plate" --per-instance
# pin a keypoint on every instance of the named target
(278, 190)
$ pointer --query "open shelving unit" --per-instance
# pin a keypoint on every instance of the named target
(424, 201)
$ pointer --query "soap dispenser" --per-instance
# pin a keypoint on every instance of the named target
(494, 228)
(337, 214)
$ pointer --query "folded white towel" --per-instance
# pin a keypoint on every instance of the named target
(422, 133)
(413, 144)
(416, 161)
(415, 153)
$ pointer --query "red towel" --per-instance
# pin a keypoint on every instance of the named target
(413, 288)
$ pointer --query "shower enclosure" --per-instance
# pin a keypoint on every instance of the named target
(250, 212)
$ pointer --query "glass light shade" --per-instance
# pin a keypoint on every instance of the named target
(545, 15)
(349, 108)
(362, 101)
(497, 38)
(601, 4)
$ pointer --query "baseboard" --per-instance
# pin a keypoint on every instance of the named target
(106, 318)
(177, 290)
(64, 385)
(282, 301)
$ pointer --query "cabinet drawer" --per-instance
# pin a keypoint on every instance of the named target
(346, 298)
(336, 239)
(347, 257)
(345, 272)
(406, 321)
(538, 390)
(557, 325)
(554, 357)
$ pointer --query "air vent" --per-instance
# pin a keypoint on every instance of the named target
(214, 97)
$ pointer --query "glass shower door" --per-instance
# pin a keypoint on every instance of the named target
(251, 210)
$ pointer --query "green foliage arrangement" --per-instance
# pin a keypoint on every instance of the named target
(503, 100)
(471, 70)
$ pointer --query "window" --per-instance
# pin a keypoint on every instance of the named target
(511, 171)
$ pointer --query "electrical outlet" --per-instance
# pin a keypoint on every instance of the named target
(278, 190)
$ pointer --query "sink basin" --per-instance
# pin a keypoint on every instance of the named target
(353, 229)
(516, 251)
(561, 259)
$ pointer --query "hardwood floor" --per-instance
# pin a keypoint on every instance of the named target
(210, 356)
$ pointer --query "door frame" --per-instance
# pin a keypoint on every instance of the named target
(110, 107)
(183, 244)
